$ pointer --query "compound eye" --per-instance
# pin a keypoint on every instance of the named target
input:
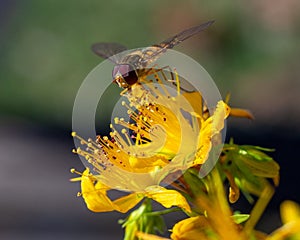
(127, 72)
(121, 70)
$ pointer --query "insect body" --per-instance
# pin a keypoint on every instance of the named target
(132, 66)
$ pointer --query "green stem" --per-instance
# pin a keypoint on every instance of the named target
(162, 212)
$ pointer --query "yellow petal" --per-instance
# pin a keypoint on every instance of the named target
(95, 196)
(95, 199)
(221, 113)
(126, 203)
(167, 198)
(147, 164)
(196, 101)
(210, 128)
(204, 142)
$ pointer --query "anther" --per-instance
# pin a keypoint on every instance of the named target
(73, 170)
(105, 138)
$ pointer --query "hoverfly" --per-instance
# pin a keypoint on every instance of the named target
(133, 65)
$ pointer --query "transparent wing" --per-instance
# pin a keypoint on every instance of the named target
(108, 50)
(180, 37)
(153, 52)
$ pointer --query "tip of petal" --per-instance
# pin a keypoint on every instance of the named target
(238, 112)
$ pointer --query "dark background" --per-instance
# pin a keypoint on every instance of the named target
(252, 51)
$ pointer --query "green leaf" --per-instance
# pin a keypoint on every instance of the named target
(239, 218)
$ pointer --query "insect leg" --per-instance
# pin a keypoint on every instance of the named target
(156, 72)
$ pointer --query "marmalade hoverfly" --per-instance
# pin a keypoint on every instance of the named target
(130, 67)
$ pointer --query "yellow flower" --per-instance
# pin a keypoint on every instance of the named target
(193, 228)
(166, 134)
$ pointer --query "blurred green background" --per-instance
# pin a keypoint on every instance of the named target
(252, 51)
